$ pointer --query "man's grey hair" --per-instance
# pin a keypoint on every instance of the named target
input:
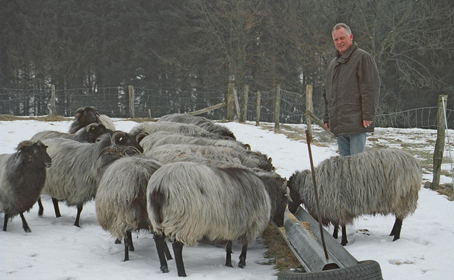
(340, 25)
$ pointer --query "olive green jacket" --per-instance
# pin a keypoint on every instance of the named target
(351, 92)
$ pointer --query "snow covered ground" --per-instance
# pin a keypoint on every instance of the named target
(55, 249)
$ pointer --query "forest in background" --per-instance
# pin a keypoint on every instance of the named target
(201, 45)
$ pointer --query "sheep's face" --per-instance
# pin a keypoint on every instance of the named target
(87, 115)
(126, 139)
(294, 195)
(282, 202)
(34, 154)
(93, 131)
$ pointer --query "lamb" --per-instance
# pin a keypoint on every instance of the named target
(164, 137)
(375, 182)
(121, 202)
(200, 122)
(22, 177)
(189, 201)
(73, 176)
(86, 115)
(250, 159)
(87, 134)
(182, 128)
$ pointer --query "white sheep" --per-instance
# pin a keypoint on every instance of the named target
(372, 183)
(189, 201)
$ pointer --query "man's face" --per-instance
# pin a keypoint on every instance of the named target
(341, 40)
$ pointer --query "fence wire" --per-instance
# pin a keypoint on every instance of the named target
(114, 102)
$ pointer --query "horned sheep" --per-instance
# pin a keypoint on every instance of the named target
(86, 115)
(250, 159)
(188, 201)
(121, 202)
(375, 182)
(73, 177)
(182, 128)
(200, 122)
(22, 177)
(87, 134)
(164, 137)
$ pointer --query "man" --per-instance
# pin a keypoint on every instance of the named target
(351, 93)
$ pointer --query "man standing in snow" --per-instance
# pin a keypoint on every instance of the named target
(351, 93)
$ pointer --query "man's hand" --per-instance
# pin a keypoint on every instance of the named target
(327, 126)
(365, 123)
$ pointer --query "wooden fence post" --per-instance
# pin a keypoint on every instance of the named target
(53, 106)
(259, 96)
(440, 144)
(243, 115)
(309, 107)
(131, 101)
(230, 101)
(277, 108)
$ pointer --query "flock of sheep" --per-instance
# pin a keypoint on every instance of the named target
(185, 178)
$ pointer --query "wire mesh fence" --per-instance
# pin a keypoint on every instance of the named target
(114, 102)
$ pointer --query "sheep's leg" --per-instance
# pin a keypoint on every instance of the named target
(126, 249)
(160, 247)
(396, 229)
(131, 245)
(167, 251)
(336, 230)
(242, 262)
(344, 235)
(24, 223)
(41, 208)
(178, 253)
(5, 222)
(228, 258)
(79, 210)
(56, 208)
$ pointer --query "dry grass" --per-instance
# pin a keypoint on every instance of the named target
(278, 253)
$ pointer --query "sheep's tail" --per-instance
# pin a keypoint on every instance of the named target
(156, 201)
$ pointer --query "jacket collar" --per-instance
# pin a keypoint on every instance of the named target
(344, 58)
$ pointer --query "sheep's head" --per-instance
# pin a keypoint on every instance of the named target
(87, 115)
(293, 184)
(33, 154)
(283, 201)
(125, 139)
(93, 131)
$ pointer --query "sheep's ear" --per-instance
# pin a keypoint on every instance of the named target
(19, 152)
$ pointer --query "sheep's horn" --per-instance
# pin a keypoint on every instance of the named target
(90, 126)
(140, 136)
(116, 134)
(287, 194)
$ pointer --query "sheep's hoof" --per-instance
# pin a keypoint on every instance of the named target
(242, 263)
(229, 264)
(117, 241)
(164, 269)
(27, 230)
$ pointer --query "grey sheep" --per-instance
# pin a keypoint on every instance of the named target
(22, 177)
(165, 137)
(200, 122)
(121, 202)
(182, 128)
(189, 201)
(250, 159)
(87, 134)
(73, 176)
(375, 182)
(87, 115)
